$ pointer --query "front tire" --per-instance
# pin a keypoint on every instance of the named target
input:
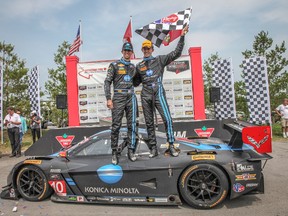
(32, 184)
(203, 186)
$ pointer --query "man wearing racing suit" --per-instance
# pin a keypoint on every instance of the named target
(149, 72)
(121, 74)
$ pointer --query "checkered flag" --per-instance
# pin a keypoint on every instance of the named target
(157, 31)
(257, 88)
(34, 90)
(222, 78)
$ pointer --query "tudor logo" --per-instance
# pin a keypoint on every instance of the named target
(258, 144)
(204, 132)
(170, 19)
(65, 140)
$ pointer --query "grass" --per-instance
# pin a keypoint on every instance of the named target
(5, 148)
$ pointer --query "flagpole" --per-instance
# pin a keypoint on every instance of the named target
(134, 56)
(1, 84)
(39, 103)
(80, 24)
(131, 29)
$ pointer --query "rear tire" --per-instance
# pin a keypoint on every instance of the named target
(32, 184)
(203, 186)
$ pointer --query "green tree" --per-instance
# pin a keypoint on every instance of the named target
(56, 83)
(15, 79)
(276, 64)
(208, 70)
(240, 97)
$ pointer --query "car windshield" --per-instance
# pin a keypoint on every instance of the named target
(87, 140)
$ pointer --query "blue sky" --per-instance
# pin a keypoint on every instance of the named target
(37, 27)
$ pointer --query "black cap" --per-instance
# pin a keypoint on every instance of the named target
(127, 46)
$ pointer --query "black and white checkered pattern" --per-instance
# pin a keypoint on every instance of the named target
(257, 88)
(1, 101)
(34, 90)
(157, 31)
(222, 77)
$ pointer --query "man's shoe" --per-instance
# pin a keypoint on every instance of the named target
(131, 155)
(153, 152)
(115, 159)
(172, 151)
(12, 155)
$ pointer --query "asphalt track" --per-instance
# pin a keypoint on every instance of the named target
(272, 203)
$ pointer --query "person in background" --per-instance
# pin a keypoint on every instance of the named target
(23, 126)
(12, 121)
(282, 111)
(35, 123)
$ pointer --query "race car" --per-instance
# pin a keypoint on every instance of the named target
(206, 172)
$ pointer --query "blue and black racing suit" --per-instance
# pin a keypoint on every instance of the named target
(149, 72)
(121, 74)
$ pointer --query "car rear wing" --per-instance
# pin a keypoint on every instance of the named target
(259, 137)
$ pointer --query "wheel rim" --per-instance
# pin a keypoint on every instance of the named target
(204, 186)
(31, 184)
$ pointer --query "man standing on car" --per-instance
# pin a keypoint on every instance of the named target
(282, 111)
(150, 74)
(121, 74)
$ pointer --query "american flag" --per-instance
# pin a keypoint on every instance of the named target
(76, 44)
(34, 90)
(159, 29)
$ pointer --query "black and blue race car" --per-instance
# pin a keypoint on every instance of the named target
(207, 171)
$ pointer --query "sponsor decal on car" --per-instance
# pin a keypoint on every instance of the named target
(80, 198)
(32, 162)
(242, 167)
(12, 192)
(55, 176)
(59, 187)
(150, 199)
(127, 199)
(113, 199)
(55, 170)
(251, 185)
(204, 131)
(238, 188)
(139, 199)
(161, 199)
(245, 177)
(72, 198)
(110, 173)
(111, 190)
(203, 157)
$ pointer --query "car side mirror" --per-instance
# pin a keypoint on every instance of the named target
(63, 154)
